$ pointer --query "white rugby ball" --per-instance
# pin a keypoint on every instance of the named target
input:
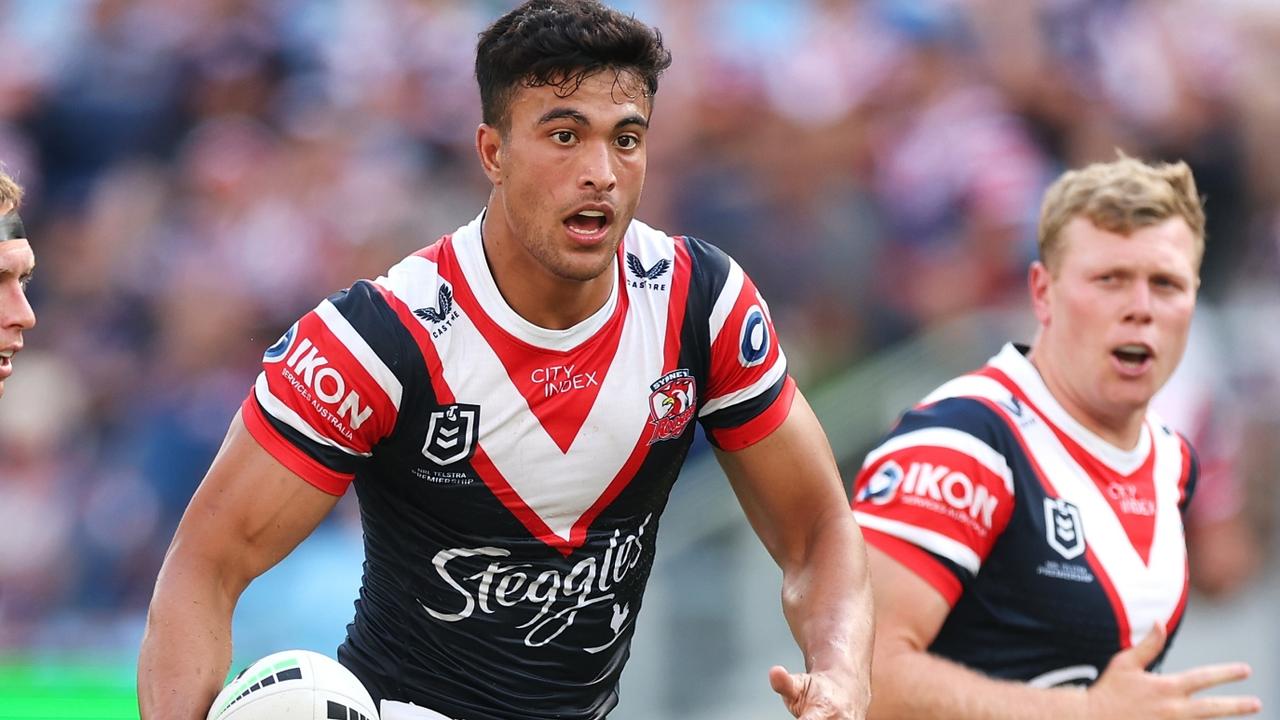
(294, 685)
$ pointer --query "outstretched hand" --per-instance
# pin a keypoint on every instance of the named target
(1127, 690)
(816, 696)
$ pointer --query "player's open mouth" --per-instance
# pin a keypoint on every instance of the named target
(6, 361)
(589, 224)
(1133, 358)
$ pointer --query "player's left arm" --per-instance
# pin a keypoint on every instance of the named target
(791, 491)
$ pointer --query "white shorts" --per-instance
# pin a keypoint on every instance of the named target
(392, 710)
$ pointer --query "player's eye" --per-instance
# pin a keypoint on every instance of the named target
(25, 280)
(563, 137)
(628, 142)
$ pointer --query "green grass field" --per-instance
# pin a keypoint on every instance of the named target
(66, 691)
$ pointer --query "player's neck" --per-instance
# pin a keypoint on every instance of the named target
(532, 291)
(1121, 429)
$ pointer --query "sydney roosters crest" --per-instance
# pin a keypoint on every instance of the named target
(672, 404)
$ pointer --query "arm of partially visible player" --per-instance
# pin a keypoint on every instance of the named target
(790, 489)
(909, 683)
(248, 513)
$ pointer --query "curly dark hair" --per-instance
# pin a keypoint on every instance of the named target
(560, 43)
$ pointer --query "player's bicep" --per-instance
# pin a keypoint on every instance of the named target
(786, 481)
(249, 511)
(909, 610)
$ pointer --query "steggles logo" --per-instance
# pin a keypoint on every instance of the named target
(557, 597)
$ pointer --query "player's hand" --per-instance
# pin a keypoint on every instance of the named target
(1126, 690)
(817, 696)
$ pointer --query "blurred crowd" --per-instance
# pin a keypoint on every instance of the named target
(202, 172)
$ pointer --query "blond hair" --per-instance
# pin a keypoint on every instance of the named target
(10, 193)
(1120, 196)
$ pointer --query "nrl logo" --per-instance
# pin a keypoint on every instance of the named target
(645, 278)
(444, 306)
(1063, 528)
(672, 404)
(451, 433)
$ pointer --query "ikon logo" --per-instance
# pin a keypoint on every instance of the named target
(451, 433)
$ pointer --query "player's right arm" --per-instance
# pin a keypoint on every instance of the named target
(328, 393)
(909, 683)
(248, 513)
(920, 562)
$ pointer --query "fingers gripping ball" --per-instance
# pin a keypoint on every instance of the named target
(294, 685)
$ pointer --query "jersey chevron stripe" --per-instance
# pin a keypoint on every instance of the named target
(563, 416)
(934, 542)
(1118, 608)
(356, 344)
(1029, 383)
(679, 300)
(484, 467)
(943, 437)
(512, 438)
(1141, 587)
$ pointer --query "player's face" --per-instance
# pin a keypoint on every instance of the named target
(16, 264)
(568, 173)
(1115, 317)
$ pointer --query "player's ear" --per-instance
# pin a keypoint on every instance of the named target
(1039, 278)
(489, 147)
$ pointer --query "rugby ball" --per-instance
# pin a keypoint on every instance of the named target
(294, 685)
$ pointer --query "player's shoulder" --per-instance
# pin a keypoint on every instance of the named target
(963, 414)
(1168, 441)
(414, 271)
(1164, 431)
(967, 402)
(709, 265)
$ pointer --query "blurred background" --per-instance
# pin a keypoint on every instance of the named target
(202, 172)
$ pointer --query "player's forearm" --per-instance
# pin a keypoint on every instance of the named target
(186, 647)
(826, 597)
(916, 685)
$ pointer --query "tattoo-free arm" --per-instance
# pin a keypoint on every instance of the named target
(248, 514)
(790, 488)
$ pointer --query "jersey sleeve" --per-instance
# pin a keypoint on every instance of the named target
(937, 492)
(749, 392)
(329, 389)
(1190, 478)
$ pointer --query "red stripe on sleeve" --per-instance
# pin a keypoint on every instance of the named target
(758, 427)
(288, 454)
(730, 370)
(918, 561)
(357, 415)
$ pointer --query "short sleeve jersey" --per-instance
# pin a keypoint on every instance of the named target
(1055, 549)
(510, 477)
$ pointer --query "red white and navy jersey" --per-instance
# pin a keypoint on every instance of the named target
(1055, 549)
(511, 477)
